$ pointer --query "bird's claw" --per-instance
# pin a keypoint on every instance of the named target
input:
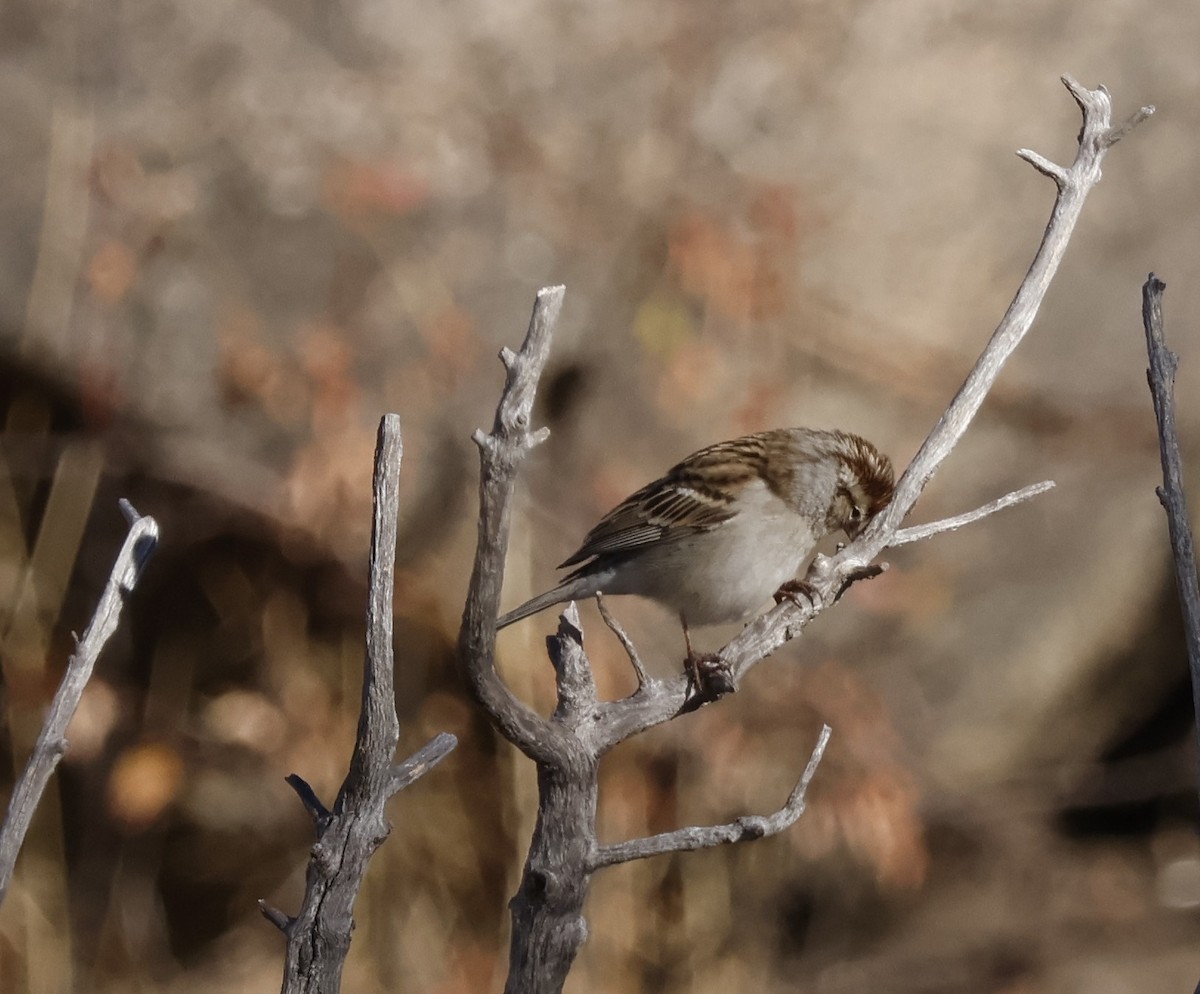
(709, 678)
(793, 590)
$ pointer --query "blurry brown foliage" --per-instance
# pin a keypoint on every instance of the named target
(235, 234)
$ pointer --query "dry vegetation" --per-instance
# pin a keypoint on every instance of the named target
(235, 233)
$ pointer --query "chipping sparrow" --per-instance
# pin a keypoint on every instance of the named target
(729, 526)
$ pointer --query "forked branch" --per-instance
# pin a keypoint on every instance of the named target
(318, 937)
(501, 453)
(548, 926)
(744, 829)
(1074, 183)
(918, 533)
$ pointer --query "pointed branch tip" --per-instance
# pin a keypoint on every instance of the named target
(1044, 165)
(421, 761)
(1137, 117)
(308, 797)
(1083, 96)
(276, 917)
(917, 533)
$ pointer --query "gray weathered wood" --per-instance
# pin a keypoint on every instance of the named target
(1161, 378)
(318, 937)
(548, 926)
(51, 745)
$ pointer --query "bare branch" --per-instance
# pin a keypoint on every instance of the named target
(1131, 122)
(524, 369)
(500, 454)
(276, 917)
(1075, 183)
(768, 633)
(318, 938)
(421, 761)
(308, 797)
(828, 576)
(1044, 166)
(742, 830)
(51, 744)
(378, 724)
(1161, 377)
(626, 643)
(572, 671)
(548, 925)
(917, 533)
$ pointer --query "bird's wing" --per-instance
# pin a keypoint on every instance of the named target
(683, 502)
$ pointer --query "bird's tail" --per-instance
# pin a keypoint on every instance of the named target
(573, 589)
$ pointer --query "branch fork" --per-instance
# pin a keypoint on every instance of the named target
(566, 746)
(743, 829)
(349, 833)
(1073, 183)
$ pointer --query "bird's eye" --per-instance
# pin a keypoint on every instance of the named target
(855, 513)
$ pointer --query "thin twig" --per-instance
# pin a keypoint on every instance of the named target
(1161, 378)
(422, 761)
(308, 797)
(52, 744)
(1131, 122)
(917, 533)
(743, 829)
(281, 921)
(626, 643)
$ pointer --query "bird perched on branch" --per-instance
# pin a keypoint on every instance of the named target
(729, 526)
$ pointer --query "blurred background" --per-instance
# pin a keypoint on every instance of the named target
(237, 232)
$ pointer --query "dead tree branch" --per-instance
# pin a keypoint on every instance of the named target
(918, 533)
(635, 659)
(1161, 378)
(547, 921)
(318, 938)
(51, 745)
(744, 829)
(828, 575)
(501, 453)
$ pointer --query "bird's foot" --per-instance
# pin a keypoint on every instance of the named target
(709, 678)
(793, 590)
